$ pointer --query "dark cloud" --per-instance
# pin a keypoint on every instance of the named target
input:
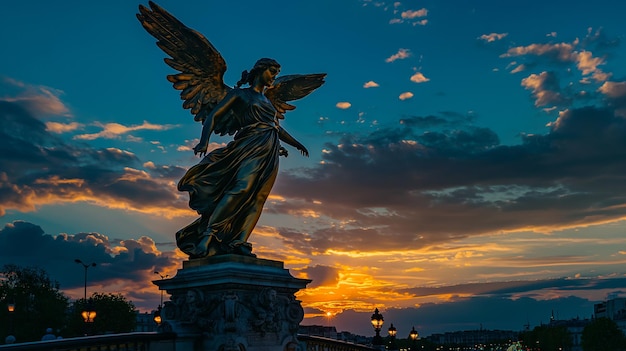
(396, 185)
(445, 119)
(600, 41)
(129, 263)
(321, 275)
(37, 168)
(513, 289)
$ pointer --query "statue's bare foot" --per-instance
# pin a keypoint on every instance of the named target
(239, 247)
(202, 247)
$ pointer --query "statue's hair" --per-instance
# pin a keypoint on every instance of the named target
(260, 66)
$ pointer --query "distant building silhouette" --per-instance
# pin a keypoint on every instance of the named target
(145, 322)
(613, 309)
(575, 329)
(473, 337)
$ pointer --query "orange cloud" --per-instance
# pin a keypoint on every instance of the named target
(410, 14)
(58, 128)
(400, 55)
(114, 130)
(418, 77)
(613, 89)
(492, 37)
(405, 95)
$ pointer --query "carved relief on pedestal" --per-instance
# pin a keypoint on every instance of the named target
(235, 311)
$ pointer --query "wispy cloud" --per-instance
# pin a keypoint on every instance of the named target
(519, 68)
(411, 14)
(53, 171)
(400, 55)
(414, 17)
(40, 100)
(114, 130)
(492, 37)
(578, 63)
(585, 61)
(370, 84)
(59, 128)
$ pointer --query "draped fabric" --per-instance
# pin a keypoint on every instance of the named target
(228, 188)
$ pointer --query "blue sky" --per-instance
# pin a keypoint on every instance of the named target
(462, 154)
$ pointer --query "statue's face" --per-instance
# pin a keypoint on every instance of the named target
(269, 75)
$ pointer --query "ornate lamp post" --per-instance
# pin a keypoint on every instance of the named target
(11, 310)
(88, 313)
(157, 314)
(413, 335)
(377, 323)
(392, 337)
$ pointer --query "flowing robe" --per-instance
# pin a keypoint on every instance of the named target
(228, 188)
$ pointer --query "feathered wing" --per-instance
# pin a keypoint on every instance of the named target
(201, 66)
(292, 87)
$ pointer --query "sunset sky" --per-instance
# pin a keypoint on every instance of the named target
(467, 160)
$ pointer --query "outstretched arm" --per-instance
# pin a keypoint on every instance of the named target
(287, 138)
(209, 123)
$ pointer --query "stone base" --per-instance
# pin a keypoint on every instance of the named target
(233, 302)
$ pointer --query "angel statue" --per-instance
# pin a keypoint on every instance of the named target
(229, 186)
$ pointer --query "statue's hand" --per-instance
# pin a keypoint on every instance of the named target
(303, 150)
(283, 152)
(201, 149)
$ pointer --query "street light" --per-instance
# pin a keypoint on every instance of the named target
(392, 337)
(88, 313)
(377, 323)
(157, 316)
(414, 336)
(11, 310)
(392, 331)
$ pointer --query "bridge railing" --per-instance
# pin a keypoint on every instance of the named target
(147, 341)
(152, 341)
(318, 343)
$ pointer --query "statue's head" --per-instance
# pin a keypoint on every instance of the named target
(265, 63)
(259, 67)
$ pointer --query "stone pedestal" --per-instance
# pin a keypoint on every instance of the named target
(233, 302)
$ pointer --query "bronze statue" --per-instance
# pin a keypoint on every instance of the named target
(230, 185)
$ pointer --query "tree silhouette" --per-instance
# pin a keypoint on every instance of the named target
(114, 314)
(547, 337)
(38, 303)
(602, 334)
